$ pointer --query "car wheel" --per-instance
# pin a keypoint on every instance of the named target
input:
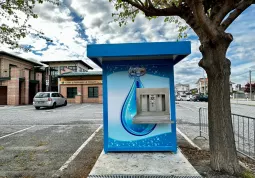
(65, 103)
(53, 106)
(37, 108)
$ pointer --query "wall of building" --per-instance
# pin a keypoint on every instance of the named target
(18, 90)
(6, 61)
(58, 64)
(82, 89)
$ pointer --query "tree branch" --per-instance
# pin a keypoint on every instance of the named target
(135, 4)
(198, 10)
(141, 3)
(152, 11)
(150, 4)
(226, 8)
(243, 5)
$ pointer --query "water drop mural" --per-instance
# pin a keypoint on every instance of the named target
(129, 106)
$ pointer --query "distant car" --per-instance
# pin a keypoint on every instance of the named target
(188, 97)
(178, 98)
(195, 98)
(200, 98)
(204, 98)
(49, 100)
(183, 97)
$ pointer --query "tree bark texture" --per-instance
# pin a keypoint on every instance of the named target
(221, 135)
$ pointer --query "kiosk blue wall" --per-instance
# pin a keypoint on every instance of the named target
(127, 67)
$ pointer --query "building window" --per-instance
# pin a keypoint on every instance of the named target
(62, 67)
(73, 68)
(93, 92)
(53, 71)
(71, 92)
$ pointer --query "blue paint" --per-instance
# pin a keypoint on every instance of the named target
(172, 109)
(105, 110)
(169, 50)
(127, 67)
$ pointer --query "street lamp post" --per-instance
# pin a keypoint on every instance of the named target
(250, 86)
(204, 83)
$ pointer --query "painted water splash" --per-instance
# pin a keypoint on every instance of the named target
(129, 107)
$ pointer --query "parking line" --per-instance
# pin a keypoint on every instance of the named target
(189, 108)
(15, 108)
(65, 165)
(17, 132)
(81, 107)
(187, 139)
(28, 109)
(91, 119)
(56, 125)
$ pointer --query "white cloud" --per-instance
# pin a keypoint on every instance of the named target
(60, 24)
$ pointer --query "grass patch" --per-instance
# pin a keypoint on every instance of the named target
(32, 156)
(248, 174)
(42, 143)
(1, 148)
(41, 164)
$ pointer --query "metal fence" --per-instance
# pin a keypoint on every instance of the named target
(244, 131)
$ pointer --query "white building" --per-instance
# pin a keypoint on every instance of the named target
(202, 85)
(181, 89)
(237, 87)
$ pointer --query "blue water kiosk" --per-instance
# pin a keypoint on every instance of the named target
(138, 94)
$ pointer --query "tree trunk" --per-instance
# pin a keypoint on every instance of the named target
(221, 136)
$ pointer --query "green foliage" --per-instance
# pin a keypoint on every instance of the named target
(1, 148)
(126, 13)
(248, 174)
(14, 20)
(182, 28)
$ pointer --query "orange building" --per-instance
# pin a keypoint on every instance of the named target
(82, 87)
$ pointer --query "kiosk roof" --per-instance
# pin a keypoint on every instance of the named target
(174, 51)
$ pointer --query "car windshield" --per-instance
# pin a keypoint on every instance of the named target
(42, 95)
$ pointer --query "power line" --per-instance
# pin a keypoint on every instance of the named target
(240, 73)
(247, 72)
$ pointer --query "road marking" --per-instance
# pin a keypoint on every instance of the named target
(17, 132)
(54, 125)
(65, 165)
(15, 108)
(28, 109)
(81, 107)
(189, 108)
(188, 140)
(91, 119)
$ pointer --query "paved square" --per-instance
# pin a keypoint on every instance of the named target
(37, 143)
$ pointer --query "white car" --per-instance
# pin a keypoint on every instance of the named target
(49, 100)
(178, 98)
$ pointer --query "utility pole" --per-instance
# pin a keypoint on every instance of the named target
(204, 83)
(250, 86)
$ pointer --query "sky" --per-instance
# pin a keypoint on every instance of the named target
(76, 23)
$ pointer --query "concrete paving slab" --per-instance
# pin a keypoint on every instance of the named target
(151, 163)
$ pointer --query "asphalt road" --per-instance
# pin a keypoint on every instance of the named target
(37, 143)
(188, 123)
